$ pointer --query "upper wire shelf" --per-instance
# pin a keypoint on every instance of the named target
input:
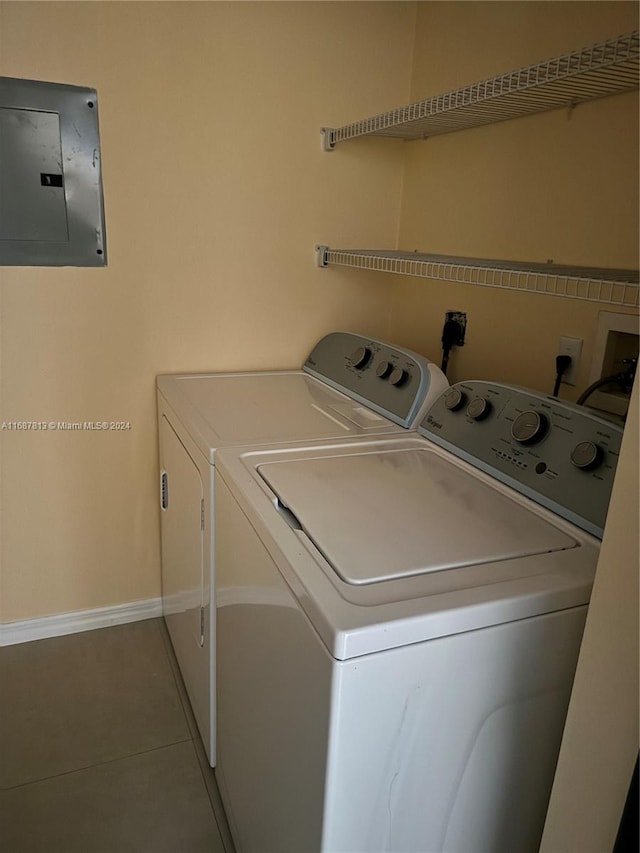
(610, 286)
(606, 68)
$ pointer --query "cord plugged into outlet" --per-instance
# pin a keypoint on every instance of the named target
(563, 364)
(453, 332)
(567, 360)
(571, 347)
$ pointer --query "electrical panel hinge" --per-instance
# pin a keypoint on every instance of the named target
(202, 626)
(202, 514)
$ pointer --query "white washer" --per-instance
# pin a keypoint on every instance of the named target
(399, 622)
(349, 387)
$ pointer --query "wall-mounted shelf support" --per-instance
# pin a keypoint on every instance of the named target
(609, 286)
(328, 138)
(322, 253)
(606, 68)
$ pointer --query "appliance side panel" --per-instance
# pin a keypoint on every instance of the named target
(451, 745)
(183, 578)
(273, 689)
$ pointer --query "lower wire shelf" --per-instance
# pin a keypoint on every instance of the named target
(610, 286)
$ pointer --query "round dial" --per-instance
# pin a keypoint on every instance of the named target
(398, 376)
(529, 427)
(587, 455)
(479, 408)
(455, 399)
(361, 357)
(383, 369)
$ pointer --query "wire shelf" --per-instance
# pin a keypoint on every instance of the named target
(609, 286)
(606, 68)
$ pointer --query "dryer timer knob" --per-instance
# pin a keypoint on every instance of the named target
(361, 357)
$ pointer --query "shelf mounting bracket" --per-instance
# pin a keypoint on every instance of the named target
(328, 138)
(322, 256)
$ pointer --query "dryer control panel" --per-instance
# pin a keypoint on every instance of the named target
(391, 380)
(559, 454)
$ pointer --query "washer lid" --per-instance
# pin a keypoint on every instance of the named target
(392, 514)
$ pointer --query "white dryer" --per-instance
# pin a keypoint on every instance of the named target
(399, 622)
(350, 387)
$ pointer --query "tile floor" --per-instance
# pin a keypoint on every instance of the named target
(99, 752)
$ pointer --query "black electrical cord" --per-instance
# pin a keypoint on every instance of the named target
(563, 362)
(624, 379)
(606, 380)
(451, 332)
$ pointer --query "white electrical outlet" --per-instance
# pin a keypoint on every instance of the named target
(572, 347)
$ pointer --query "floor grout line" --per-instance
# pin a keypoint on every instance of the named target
(210, 804)
(177, 680)
(86, 767)
(206, 771)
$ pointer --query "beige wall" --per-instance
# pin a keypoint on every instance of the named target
(216, 192)
(550, 186)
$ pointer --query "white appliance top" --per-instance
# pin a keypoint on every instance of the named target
(222, 410)
(350, 386)
(400, 592)
(388, 515)
(491, 517)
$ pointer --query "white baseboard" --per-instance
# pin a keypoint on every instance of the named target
(80, 620)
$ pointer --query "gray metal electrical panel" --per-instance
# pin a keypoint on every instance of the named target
(51, 203)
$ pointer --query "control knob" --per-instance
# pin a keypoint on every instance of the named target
(384, 368)
(455, 399)
(398, 376)
(361, 357)
(479, 408)
(587, 455)
(530, 427)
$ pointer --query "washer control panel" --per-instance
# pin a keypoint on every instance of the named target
(388, 379)
(557, 453)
